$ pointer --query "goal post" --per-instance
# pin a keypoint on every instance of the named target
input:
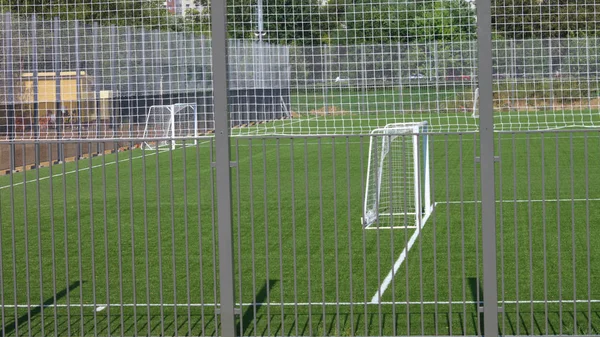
(167, 125)
(475, 104)
(397, 193)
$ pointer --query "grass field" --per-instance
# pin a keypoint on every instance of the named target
(126, 243)
(519, 107)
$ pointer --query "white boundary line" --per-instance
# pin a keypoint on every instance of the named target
(508, 201)
(388, 279)
(520, 201)
(311, 143)
(102, 306)
(150, 153)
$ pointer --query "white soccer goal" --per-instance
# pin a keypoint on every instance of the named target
(397, 193)
(168, 124)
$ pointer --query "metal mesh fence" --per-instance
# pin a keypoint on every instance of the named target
(202, 168)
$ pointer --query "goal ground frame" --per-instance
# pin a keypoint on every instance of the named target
(421, 181)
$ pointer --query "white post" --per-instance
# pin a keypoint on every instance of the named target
(475, 98)
(426, 178)
(418, 214)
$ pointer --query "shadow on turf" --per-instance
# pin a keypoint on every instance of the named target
(11, 327)
(476, 297)
(250, 313)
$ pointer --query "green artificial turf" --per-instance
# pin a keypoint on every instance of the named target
(138, 231)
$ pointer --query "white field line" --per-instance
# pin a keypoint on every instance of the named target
(87, 168)
(520, 201)
(388, 279)
(102, 306)
(453, 139)
(437, 138)
(255, 129)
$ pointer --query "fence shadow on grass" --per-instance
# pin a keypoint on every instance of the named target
(37, 310)
(249, 315)
(476, 296)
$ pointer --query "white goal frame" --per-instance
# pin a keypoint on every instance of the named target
(171, 136)
(421, 181)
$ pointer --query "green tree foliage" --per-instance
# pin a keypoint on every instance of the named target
(148, 13)
(524, 19)
(291, 22)
(385, 21)
(347, 22)
(451, 20)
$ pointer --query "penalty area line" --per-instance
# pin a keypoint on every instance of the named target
(101, 307)
(388, 279)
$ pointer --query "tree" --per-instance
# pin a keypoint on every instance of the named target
(525, 19)
(290, 22)
(446, 20)
(376, 22)
(147, 13)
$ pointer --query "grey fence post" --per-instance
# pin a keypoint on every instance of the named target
(223, 153)
(57, 71)
(488, 193)
(158, 67)
(192, 46)
(551, 72)
(10, 93)
(400, 96)
(114, 81)
(513, 72)
(325, 78)
(95, 83)
(170, 72)
(589, 86)
(78, 88)
(436, 76)
(145, 90)
(36, 117)
(36, 106)
(130, 94)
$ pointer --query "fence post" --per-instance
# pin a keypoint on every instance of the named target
(36, 117)
(95, 83)
(324, 77)
(57, 70)
(551, 72)
(129, 84)
(400, 96)
(588, 72)
(114, 83)
(488, 193)
(145, 90)
(223, 169)
(513, 73)
(10, 93)
(436, 76)
(78, 89)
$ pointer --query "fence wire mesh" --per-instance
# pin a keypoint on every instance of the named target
(347, 168)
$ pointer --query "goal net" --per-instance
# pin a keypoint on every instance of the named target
(167, 125)
(397, 193)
